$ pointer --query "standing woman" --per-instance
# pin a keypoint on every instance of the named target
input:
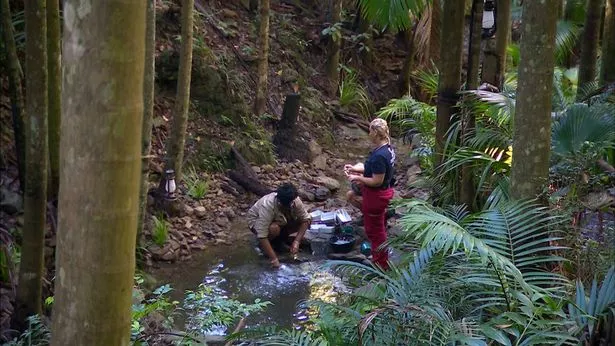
(374, 179)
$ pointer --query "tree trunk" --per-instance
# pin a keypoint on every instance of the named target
(28, 301)
(404, 86)
(450, 70)
(434, 34)
(333, 49)
(54, 94)
(101, 163)
(532, 126)
(15, 75)
(148, 109)
(475, 44)
(607, 72)
(177, 140)
(494, 66)
(263, 59)
(467, 191)
(589, 43)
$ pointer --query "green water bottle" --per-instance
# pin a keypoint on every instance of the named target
(366, 248)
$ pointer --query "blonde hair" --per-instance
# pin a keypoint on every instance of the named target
(381, 128)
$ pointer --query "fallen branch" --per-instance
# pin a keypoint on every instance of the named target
(240, 325)
(352, 118)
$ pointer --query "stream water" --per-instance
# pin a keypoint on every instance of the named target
(240, 272)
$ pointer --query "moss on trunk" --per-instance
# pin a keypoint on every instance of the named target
(607, 71)
(102, 107)
(148, 109)
(532, 125)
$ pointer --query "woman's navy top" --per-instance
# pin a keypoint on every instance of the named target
(381, 161)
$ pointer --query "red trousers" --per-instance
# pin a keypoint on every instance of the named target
(374, 208)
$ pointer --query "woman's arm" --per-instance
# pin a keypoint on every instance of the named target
(373, 181)
(356, 168)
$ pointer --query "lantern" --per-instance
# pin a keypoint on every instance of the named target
(489, 14)
(169, 185)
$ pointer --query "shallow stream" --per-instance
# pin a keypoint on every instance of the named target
(240, 272)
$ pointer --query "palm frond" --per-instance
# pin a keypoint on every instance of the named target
(427, 79)
(588, 310)
(566, 38)
(392, 14)
(581, 124)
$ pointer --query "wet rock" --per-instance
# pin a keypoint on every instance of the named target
(200, 211)
(150, 200)
(320, 162)
(160, 253)
(267, 168)
(188, 210)
(306, 195)
(322, 194)
(10, 202)
(222, 221)
(314, 149)
(174, 245)
(329, 183)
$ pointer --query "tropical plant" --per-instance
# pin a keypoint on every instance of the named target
(353, 95)
(36, 334)
(197, 188)
(160, 232)
(473, 279)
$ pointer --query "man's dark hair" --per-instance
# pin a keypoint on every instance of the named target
(286, 193)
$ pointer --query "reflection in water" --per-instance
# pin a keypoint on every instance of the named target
(240, 273)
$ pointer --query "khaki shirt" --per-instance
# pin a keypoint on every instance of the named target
(267, 210)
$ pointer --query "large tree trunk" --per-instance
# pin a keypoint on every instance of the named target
(607, 71)
(148, 109)
(15, 75)
(451, 48)
(333, 49)
(434, 33)
(589, 43)
(101, 164)
(263, 59)
(532, 126)
(467, 190)
(28, 299)
(54, 94)
(177, 140)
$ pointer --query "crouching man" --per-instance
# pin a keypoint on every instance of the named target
(275, 217)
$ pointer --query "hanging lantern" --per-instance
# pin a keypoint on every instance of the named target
(169, 185)
(489, 14)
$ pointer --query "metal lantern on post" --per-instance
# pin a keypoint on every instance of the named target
(169, 185)
(489, 14)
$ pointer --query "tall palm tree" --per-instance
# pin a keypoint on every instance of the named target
(589, 43)
(532, 126)
(54, 94)
(148, 108)
(177, 139)
(15, 76)
(451, 48)
(28, 301)
(101, 165)
(607, 71)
